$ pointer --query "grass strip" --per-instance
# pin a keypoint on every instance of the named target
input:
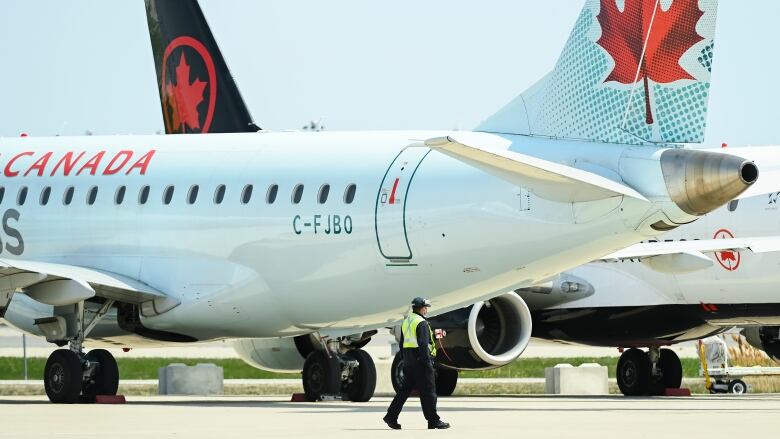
(11, 368)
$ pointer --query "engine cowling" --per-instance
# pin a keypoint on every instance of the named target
(275, 354)
(766, 338)
(485, 335)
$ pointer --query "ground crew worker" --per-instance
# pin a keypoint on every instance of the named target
(418, 351)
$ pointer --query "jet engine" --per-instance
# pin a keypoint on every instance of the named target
(766, 338)
(485, 335)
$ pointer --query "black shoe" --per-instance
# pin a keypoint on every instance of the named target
(391, 423)
(438, 425)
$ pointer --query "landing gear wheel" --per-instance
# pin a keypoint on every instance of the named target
(737, 387)
(62, 377)
(446, 381)
(671, 368)
(362, 383)
(633, 372)
(321, 375)
(104, 379)
(397, 372)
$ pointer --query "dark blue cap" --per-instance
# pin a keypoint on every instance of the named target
(419, 302)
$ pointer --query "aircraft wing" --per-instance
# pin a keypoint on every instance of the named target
(643, 250)
(61, 284)
(549, 180)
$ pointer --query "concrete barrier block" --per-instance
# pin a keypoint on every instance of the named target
(201, 379)
(384, 386)
(587, 379)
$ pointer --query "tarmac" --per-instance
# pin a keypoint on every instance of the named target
(716, 416)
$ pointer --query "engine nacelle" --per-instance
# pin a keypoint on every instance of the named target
(485, 335)
(274, 354)
(766, 338)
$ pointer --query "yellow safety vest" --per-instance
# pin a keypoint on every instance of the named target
(409, 330)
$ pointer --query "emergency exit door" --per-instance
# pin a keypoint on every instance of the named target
(390, 218)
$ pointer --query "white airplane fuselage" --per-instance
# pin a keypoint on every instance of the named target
(421, 223)
(636, 305)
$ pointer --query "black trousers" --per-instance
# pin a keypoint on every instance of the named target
(422, 378)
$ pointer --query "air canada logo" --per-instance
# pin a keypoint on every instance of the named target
(727, 259)
(647, 42)
(189, 87)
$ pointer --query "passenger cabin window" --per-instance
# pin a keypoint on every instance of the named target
(45, 194)
(322, 195)
(219, 194)
(297, 193)
(143, 196)
(68, 197)
(270, 196)
(192, 195)
(22, 197)
(246, 194)
(349, 194)
(119, 196)
(168, 195)
(92, 195)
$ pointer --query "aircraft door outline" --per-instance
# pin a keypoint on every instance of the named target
(390, 209)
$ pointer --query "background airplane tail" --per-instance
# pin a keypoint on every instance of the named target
(632, 71)
(197, 92)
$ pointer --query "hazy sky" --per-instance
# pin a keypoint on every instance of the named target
(69, 66)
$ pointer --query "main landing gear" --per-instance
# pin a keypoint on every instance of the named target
(70, 375)
(446, 379)
(340, 370)
(648, 373)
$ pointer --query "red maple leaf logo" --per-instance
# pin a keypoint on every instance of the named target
(184, 97)
(623, 36)
(728, 256)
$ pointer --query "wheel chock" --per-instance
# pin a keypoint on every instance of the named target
(298, 397)
(677, 392)
(110, 399)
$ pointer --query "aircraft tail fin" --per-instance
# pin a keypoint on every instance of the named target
(632, 71)
(197, 92)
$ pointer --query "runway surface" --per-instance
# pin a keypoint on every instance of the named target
(472, 417)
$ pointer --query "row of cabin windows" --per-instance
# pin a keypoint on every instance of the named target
(192, 194)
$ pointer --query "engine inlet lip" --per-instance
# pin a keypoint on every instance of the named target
(748, 172)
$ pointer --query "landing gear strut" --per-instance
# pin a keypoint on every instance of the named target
(648, 373)
(339, 370)
(71, 376)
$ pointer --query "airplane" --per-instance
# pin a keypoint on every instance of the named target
(302, 244)
(653, 294)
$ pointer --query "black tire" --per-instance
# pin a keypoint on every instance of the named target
(321, 376)
(397, 372)
(62, 377)
(671, 368)
(446, 381)
(738, 387)
(633, 372)
(105, 379)
(362, 384)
